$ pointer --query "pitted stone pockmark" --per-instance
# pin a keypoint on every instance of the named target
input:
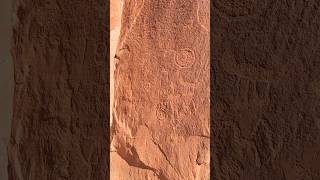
(185, 58)
(163, 110)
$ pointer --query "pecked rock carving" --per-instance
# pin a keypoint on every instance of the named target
(185, 58)
(161, 110)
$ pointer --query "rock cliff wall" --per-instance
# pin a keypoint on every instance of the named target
(266, 116)
(161, 125)
(61, 103)
(6, 84)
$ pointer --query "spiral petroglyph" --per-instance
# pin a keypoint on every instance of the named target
(185, 58)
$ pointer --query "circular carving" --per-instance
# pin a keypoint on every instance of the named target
(163, 110)
(185, 58)
(237, 8)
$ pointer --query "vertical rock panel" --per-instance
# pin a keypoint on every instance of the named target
(266, 120)
(161, 115)
(60, 99)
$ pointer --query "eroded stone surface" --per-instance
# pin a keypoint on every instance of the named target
(6, 84)
(266, 113)
(60, 99)
(162, 90)
(115, 26)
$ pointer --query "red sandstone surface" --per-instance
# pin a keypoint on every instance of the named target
(265, 59)
(161, 120)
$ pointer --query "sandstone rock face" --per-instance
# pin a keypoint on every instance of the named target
(61, 83)
(115, 26)
(161, 125)
(6, 84)
(266, 121)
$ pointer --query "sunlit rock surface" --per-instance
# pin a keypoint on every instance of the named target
(115, 25)
(161, 125)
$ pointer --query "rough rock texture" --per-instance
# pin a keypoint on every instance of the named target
(115, 26)
(6, 84)
(161, 125)
(266, 121)
(61, 98)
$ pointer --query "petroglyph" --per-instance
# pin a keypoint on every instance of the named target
(184, 10)
(184, 89)
(163, 110)
(165, 84)
(185, 58)
(165, 80)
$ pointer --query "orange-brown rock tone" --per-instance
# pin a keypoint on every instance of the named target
(161, 125)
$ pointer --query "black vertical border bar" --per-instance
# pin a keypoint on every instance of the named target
(213, 96)
(106, 29)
